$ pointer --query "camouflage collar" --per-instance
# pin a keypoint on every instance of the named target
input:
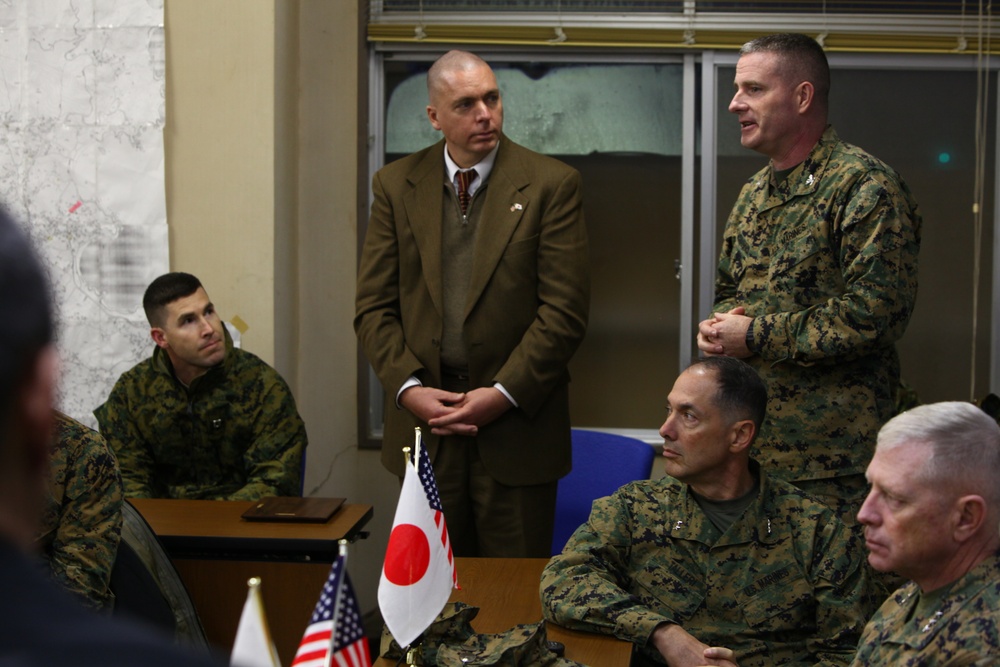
(807, 175)
(684, 519)
(802, 180)
(949, 605)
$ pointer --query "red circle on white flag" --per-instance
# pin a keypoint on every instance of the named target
(408, 555)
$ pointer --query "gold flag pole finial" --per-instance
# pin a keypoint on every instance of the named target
(253, 582)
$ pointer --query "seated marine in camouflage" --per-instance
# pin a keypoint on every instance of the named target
(82, 521)
(717, 563)
(201, 418)
(932, 516)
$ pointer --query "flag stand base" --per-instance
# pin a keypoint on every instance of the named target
(413, 657)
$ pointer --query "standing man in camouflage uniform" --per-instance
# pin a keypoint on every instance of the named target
(201, 418)
(817, 277)
(718, 553)
(932, 516)
(82, 520)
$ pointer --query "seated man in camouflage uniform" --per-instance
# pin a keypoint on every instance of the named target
(932, 516)
(201, 418)
(716, 554)
(82, 521)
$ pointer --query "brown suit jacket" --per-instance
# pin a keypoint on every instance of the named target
(526, 312)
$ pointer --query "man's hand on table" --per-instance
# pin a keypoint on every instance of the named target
(681, 649)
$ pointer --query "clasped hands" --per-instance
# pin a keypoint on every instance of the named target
(451, 413)
(725, 334)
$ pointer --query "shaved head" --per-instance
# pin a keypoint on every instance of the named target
(464, 104)
(449, 63)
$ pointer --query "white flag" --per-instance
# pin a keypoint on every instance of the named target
(253, 646)
(419, 570)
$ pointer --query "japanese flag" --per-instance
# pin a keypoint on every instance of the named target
(419, 570)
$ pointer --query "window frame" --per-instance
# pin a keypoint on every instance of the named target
(699, 212)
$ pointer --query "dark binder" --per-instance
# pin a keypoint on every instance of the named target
(304, 510)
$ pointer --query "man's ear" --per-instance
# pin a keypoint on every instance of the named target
(432, 116)
(969, 513)
(743, 432)
(159, 337)
(805, 95)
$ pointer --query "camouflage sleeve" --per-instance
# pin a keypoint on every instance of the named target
(846, 595)
(114, 419)
(878, 263)
(85, 543)
(869, 643)
(725, 283)
(586, 586)
(274, 459)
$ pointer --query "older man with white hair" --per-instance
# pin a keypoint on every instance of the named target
(933, 516)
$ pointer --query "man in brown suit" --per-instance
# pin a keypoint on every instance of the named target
(469, 308)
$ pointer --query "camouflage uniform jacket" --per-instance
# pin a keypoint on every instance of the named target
(826, 263)
(234, 434)
(82, 521)
(785, 584)
(960, 626)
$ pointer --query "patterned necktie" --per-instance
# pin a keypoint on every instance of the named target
(464, 179)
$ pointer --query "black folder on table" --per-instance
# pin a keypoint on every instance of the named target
(281, 508)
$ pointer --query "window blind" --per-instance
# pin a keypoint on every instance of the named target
(942, 26)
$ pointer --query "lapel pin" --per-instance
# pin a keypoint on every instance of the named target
(516, 207)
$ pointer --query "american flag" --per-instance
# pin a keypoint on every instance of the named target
(336, 614)
(426, 474)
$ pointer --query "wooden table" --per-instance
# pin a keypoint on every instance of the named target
(216, 552)
(213, 528)
(506, 592)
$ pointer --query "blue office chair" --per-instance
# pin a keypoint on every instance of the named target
(602, 462)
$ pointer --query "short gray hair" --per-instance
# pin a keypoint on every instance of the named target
(964, 441)
(802, 58)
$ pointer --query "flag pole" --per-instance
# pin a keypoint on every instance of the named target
(342, 550)
(253, 639)
(417, 438)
